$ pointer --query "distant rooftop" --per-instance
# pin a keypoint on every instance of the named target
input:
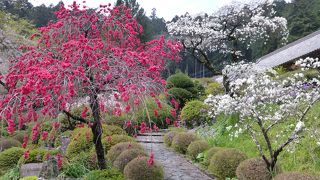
(293, 51)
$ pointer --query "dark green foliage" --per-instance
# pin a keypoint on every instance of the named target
(87, 159)
(9, 159)
(253, 169)
(110, 141)
(182, 140)
(179, 80)
(139, 169)
(126, 156)
(194, 113)
(182, 95)
(225, 162)
(106, 174)
(197, 147)
(168, 137)
(6, 143)
(295, 176)
(117, 149)
(12, 174)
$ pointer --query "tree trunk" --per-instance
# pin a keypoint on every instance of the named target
(97, 130)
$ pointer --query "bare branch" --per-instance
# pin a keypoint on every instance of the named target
(77, 118)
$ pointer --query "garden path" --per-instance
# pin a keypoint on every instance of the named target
(176, 167)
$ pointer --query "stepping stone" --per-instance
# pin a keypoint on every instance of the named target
(31, 169)
(175, 166)
(150, 139)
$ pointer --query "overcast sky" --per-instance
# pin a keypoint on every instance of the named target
(165, 8)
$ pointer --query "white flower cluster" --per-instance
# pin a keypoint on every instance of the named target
(246, 22)
(308, 63)
(260, 96)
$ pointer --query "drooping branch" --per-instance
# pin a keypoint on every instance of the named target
(77, 118)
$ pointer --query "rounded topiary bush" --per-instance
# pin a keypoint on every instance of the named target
(110, 141)
(253, 169)
(126, 156)
(117, 149)
(295, 176)
(182, 95)
(8, 143)
(30, 178)
(197, 147)
(106, 174)
(208, 155)
(182, 140)
(214, 89)
(109, 130)
(168, 137)
(139, 169)
(225, 162)
(194, 113)
(9, 159)
(81, 140)
(179, 80)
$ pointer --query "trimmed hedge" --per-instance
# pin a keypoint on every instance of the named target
(225, 162)
(197, 147)
(106, 174)
(37, 155)
(214, 89)
(168, 137)
(182, 140)
(81, 140)
(126, 156)
(117, 149)
(194, 113)
(139, 169)
(110, 141)
(253, 169)
(9, 159)
(211, 152)
(181, 95)
(179, 80)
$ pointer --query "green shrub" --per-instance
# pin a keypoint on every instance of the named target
(139, 169)
(117, 149)
(9, 158)
(194, 113)
(178, 129)
(197, 147)
(181, 95)
(225, 162)
(81, 140)
(214, 88)
(110, 141)
(87, 159)
(295, 176)
(30, 178)
(126, 156)
(208, 154)
(37, 155)
(8, 143)
(115, 120)
(12, 174)
(168, 137)
(200, 90)
(179, 80)
(106, 174)
(109, 130)
(181, 141)
(159, 120)
(253, 169)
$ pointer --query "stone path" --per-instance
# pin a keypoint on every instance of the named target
(176, 167)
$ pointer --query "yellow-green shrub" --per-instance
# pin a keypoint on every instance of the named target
(126, 156)
(139, 169)
(168, 137)
(194, 113)
(30, 178)
(109, 130)
(117, 149)
(9, 158)
(295, 176)
(110, 141)
(197, 147)
(105, 174)
(182, 140)
(208, 155)
(37, 155)
(81, 140)
(225, 162)
(214, 88)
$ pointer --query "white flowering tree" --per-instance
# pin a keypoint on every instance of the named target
(267, 103)
(228, 28)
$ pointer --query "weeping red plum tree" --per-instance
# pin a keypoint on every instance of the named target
(84, 53)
